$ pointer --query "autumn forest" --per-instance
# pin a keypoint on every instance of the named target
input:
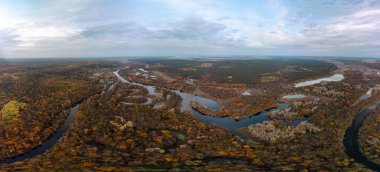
(189, 115)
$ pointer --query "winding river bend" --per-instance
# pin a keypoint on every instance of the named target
(47, 144)
(226, 122)
(351, 136)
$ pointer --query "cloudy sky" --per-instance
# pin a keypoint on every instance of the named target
(96, 28)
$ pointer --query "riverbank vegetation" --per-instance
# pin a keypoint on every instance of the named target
(237, 109)
(226, 80)
(370, 137)
(36, 100)
(109, 135)
(123, 128)
(271, 131)
(297, 109)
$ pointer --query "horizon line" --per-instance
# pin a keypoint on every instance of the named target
(188, 56)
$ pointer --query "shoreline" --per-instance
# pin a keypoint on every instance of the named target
(227, 115)
(244, 131)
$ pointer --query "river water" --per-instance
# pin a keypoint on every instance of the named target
(351, 136)
(226, 122)
(350, 139)
(47, 144)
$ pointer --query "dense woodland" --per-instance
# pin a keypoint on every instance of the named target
(36, 102)
(117, 130)
(243, 71)
(108, 135)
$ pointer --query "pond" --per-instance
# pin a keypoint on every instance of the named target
(334, 78)
(294, 96)
(246, 93)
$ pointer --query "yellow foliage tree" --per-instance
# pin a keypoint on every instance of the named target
(11, 111)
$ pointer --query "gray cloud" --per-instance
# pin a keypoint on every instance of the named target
(7, 37)
(116, 30)
(187, 26)
(193, 28)
(188, 29)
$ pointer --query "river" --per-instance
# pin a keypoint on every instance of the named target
(351, 136)
(52, 140)
(47, 144)
(350, 140)
(227, 122)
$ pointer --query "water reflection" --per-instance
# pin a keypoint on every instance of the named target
(226, 122)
